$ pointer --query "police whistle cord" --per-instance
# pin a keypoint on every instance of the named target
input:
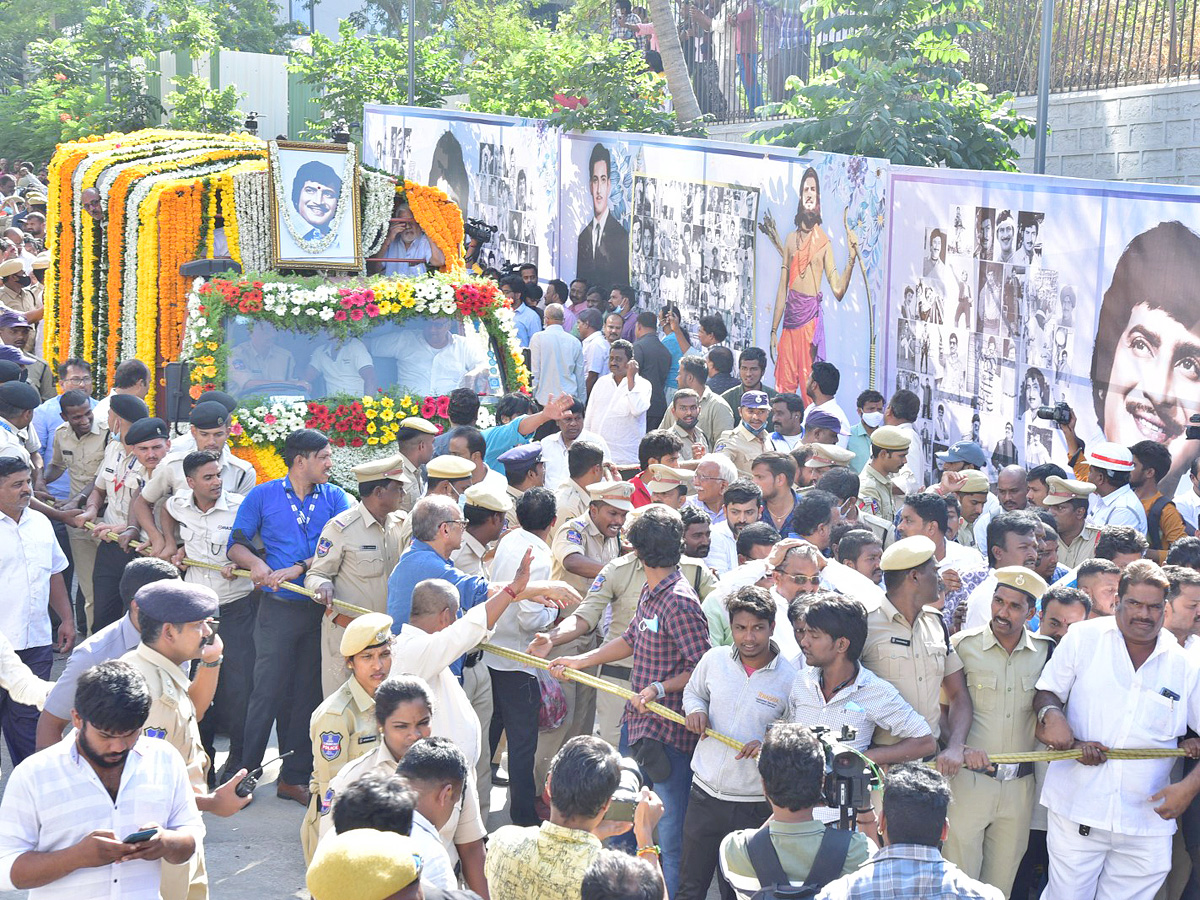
(601, 685)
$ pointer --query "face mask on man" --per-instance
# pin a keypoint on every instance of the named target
(872, 419)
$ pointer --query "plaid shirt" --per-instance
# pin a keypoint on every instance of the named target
(909, 870)
(668, 634)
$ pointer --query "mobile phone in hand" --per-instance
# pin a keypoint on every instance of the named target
(140, 836)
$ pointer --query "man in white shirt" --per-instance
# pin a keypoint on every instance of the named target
(515, 692)
(66, 811)
(1187, 497)
(437, 772)
(743, 506)
(555, 446)
(432, 360)
(1114, 502)
(346, 367)
(1116, 681)
(618, 405)
(590, 326)
(556, 360)
(926, 513)
(31, 566)
(1012, 540)
(822, 388)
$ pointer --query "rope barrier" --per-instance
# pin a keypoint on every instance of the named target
(601, 685)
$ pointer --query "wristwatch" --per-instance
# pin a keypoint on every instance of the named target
(662, 691)
(215, 663)
(1041, 715)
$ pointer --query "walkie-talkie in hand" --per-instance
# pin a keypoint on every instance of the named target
(247, 785)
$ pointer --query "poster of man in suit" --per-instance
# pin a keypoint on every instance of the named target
(603, 249)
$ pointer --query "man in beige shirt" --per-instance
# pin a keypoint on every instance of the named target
(585, 465)
(715, 415)
(486, 512)
(889, 453)
(750, 439)
(1067, 501)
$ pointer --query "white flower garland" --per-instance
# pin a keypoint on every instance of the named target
(379, 195)
(254, 229)
(271, 423)
(320, 245)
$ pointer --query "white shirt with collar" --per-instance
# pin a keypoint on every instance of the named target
(496, 481)
(436, 867)
(912, 477)
(619, 413)
(1121, 507)
(521, 621)
(595, 353)
(554, 455)
(836, 576)
(29, 556)
(961, 559)
(979, 602)
(556, 360)
(722, 551)
(1109, 701)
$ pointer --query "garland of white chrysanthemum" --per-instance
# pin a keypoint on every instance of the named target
(254, 229)
(320, 245)
(379, 195)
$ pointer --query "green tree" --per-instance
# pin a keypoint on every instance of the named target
(896, 90)
(197, 106)
(358, 69)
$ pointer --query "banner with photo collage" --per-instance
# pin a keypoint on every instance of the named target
(1012, 293)
(705, 226)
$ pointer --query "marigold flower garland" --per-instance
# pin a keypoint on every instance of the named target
(440, 219)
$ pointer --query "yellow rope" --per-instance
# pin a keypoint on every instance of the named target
(601, 685)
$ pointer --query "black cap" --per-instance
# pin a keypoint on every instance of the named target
(176, 601)
(147, 430)
(128, 407)
(20, 395)
(226, 400)
(11, 371)
(209, 414)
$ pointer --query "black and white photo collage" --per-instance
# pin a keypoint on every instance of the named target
(394, 150)
(692, 245)
(983, 336)
(501, 197)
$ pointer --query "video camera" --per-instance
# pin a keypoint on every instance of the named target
(479, 230)
(1059, 413)
(1193, 429)
(848, 777)
(625, 797)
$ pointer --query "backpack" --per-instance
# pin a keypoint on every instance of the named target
(774, 882)
(1154, 523)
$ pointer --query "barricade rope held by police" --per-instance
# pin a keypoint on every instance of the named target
(600, 684)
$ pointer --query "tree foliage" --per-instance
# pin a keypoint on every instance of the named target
(197, 106)
(896, 90)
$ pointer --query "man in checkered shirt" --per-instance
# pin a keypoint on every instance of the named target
(666, 638)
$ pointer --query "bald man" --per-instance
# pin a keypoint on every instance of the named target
(1012, 490)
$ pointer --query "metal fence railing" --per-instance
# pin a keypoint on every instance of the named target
(740, 52)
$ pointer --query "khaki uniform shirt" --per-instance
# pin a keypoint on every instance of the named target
(204, 537)
(469, 557)
(510, 517)
(80, 456)
(580, 535)
(356, 554)
(688, 440)
(1002, 688)
(237, 475)
(342, 729)
(571, 501)
(876, 491)
(966, 535)
(619, 587)
(23, 301)
(39, 375)
(415, 489)
(172, 715)
(716, 416)
(912, 658)
(247, 364)
(1082, 548)
(742, 447)
(120, 477)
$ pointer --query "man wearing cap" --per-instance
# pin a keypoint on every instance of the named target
(17, 332)
(821, 428)
(749, 440)
(992, 804)
(668, 486)
(581, 549)
(658, 446)
(119, 480)
(889, 453)
(209, 431)
(355, 554)
(585, 466)
(287, 515)
(365, 864)
(37, 287)
(414, 438)
(196, 524)
(964, 457)
(16, 296)
(343, 727)
(174, 621)
(974, 497)
(618, 404)
(1067, 501)
(18, 400)
(523, 469)
(823, 457)
(486, 511)
(1114, 503)
(907, 646)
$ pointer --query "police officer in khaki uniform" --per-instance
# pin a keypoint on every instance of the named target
(415, 437)
(173, 618)
(343, 727)
(823, 457)
(78, 449)
(448, 476)
(15, 294)
(750, 439)
(668, 485)
(973, 494)
(523, 469)
(581, 549)
(485, 511)
(1067, 501)
(260, 361)
(992, 804)
(585, 467)
(355, 554)
(889, 453)
(618, 588)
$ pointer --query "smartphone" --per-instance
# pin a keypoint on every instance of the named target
(139, 836)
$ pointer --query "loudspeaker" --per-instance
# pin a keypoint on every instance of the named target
(175, 404)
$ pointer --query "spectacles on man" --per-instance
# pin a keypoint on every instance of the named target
(462, 522)
(799, 580)
(78, 379)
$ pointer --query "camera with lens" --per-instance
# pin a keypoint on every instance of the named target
(848, 777)
(625, 797)
(479, 230)
(1193, 429)
(1059, 413)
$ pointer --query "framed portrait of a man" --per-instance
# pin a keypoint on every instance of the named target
(314, 205)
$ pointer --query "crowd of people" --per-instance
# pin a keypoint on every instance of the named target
(769, 568)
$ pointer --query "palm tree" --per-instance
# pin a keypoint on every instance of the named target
(687, 109)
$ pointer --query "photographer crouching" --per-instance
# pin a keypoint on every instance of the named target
(407, 250)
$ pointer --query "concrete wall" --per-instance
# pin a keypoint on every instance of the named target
(1142, 133)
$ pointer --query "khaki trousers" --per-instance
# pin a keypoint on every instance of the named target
(989, 826)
